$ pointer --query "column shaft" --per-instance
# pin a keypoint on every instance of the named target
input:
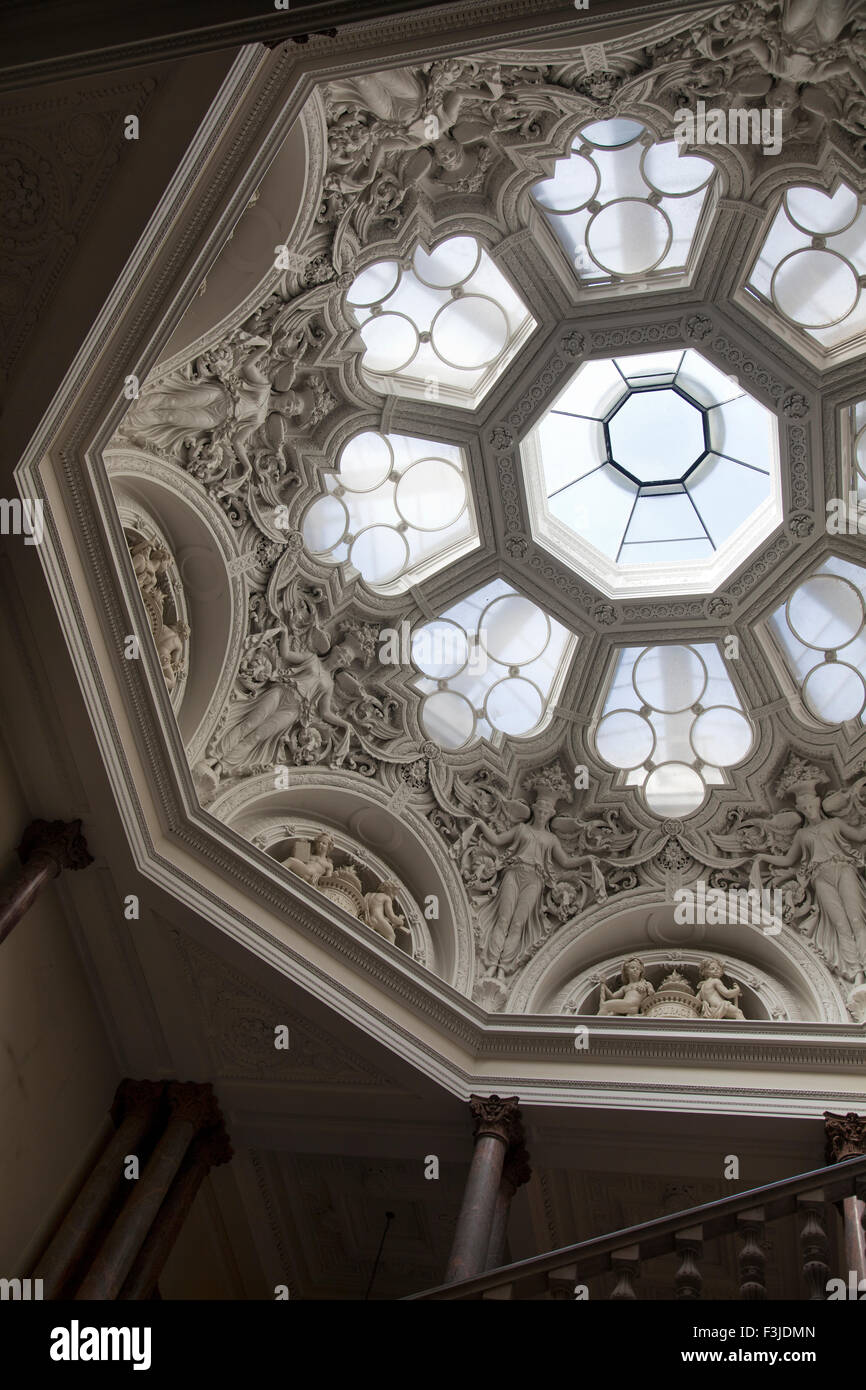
(116, 1257)
(76, 1231)
(472, 1237)
(853, 1210)
(18, 896)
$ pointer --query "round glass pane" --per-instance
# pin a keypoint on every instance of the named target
(514, 705)
(825, 612)
(674, 789)
(365, 462)
(574, 184)
(624, 739)
(470, 332)
(860, 452)
(379, 553)
(440, 649)
(628, 237)
(430, 495)
(391, 341)
(325, 525)
(451, 263)
(373, 284)
(672, 173)
(514, 631)
(834, 692)
(814, 288)
(819, 214)
(611, 135)
(448, 718)
(670, 679)
(721, 736)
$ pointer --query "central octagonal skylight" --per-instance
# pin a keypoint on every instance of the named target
(653, 474)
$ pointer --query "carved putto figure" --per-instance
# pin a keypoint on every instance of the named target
(715, 998)
(630, 996)
(379, 912)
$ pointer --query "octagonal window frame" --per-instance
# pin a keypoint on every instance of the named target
(650, 578)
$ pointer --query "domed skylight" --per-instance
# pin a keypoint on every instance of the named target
(811, 267)
(653, 474)
(623, 206)
(442, 328)
(396, 508)
(822, 632)
(492, 664)
(671, 722)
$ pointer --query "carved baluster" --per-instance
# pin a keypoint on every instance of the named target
(814, 1244)
(688, 1278)
(752, 1260)
(626, 1266)
(561, 1283)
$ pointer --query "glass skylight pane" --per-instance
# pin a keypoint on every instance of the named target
(594, 390)
(654, 365)
(500, 676)
(742, 429)
(572, 186)
(672, 737)
(667, 518)
(704, 382)
(574, 446)
(619, 130)
(666, 552)
(725, 494)
(620, 171)
(671, 172)
(602, 502)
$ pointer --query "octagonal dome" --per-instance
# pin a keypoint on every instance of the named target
(653, 474)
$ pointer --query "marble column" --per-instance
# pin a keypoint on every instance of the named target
(133, 1112)
(207, 1150)
(846, 1138)
(515, 1172)
(192, 1107)
(46, 849)
(497, 1128)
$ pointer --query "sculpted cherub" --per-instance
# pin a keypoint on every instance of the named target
(716, 1000)
(634, 989)
(318, 866)
(379, 912)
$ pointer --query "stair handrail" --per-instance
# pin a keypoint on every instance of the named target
(657, 1237)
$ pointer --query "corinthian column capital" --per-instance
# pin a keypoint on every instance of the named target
(846, 1135)
(57, 842)
(195, 1102)
(497, 1116)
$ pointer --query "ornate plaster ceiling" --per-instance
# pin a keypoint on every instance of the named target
(288, 704)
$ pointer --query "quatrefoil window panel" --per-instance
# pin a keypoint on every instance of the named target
(624, 206)
(489, 666)
(442, 328)
(821, 630)
(671, 723)
(653, 474)
(397, 509)
(812, 266)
